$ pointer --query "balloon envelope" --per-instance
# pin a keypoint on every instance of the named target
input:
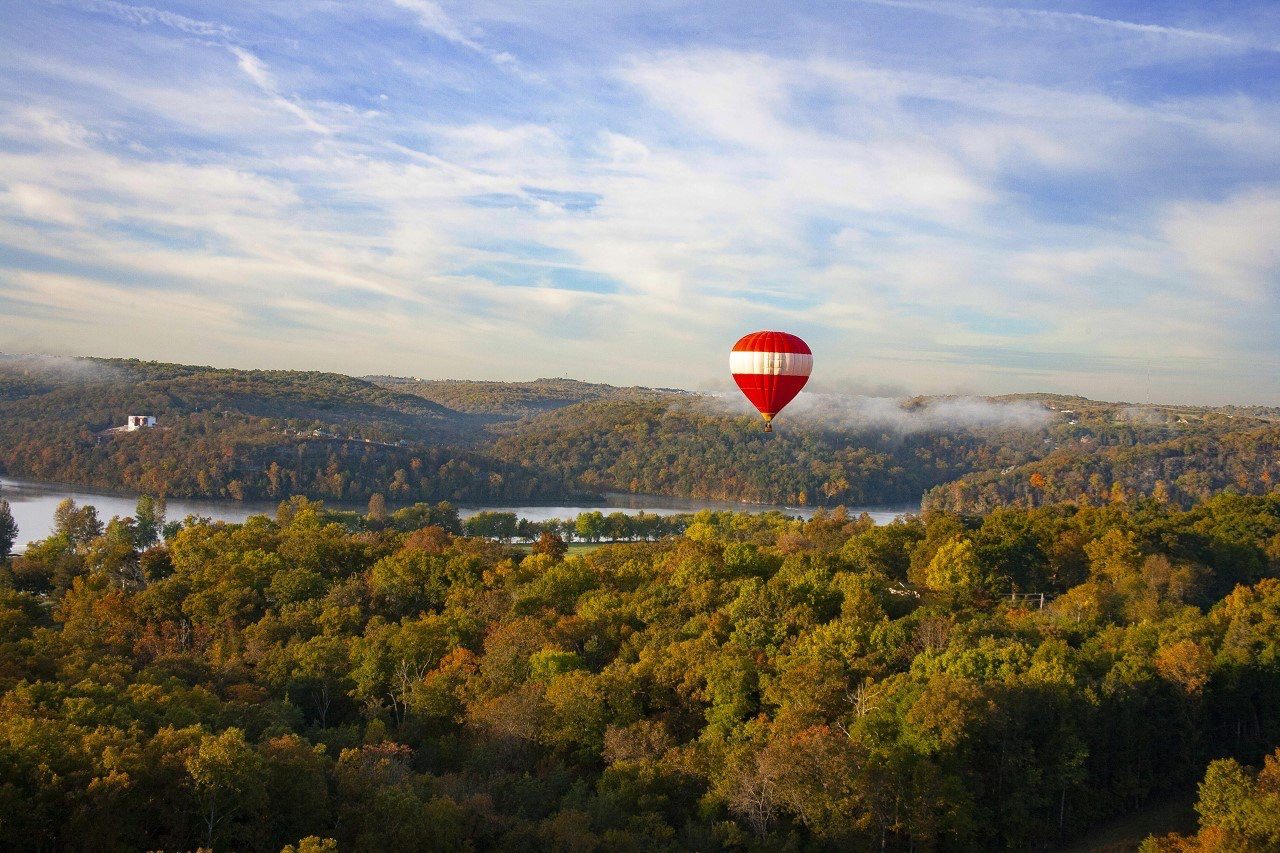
(770, 368)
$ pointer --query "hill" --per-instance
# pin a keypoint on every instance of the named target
(510, 400)
(1180, 470)
(269, 434)
(969, 455)
(1099, 452)
(691, 447)
(97, 391)
(240, 434)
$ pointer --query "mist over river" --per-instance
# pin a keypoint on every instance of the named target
(33, 504)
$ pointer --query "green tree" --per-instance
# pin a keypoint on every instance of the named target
(590, 526)
(148, 520)
(491, 525)
(297, 777)
(8, 531)
(1239, 809)
(226, 773)
(78, 524)
(955, 568)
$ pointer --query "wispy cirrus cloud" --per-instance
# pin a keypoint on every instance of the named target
(257, 71)
(1029, 18)
(432, 17)
(147, 15)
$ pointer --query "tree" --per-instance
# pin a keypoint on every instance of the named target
(266, 683)
(955, 568)
(377, 509)
(148, 520)
(590, 526)
(443, 515)
(617, 526)
(312, 844)
(1186, 663)
(491, 525)
(297, 778)
(813, 775)
(1239, 809)
(551, 545)
(226, 773)
(78, 524)
(8, 531)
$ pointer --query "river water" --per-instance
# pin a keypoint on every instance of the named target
(33, 504)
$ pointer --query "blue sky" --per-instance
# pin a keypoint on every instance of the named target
(941, 197)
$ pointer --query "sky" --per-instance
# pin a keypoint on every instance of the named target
(940, 197)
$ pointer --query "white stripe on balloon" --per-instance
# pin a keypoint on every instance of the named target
(775, 363)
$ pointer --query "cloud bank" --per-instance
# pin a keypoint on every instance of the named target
(898, 415)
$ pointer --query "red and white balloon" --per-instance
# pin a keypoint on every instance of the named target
(770, 368)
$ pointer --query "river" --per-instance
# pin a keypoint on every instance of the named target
(33, 504)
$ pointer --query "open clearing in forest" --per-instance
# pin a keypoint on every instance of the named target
(574, 547)
(1122, 835)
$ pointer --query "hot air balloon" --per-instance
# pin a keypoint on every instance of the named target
(770, 368)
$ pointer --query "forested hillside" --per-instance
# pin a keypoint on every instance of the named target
(971, 455)
(96, 391)
(755, 683)
(507, 400)
(270, 434)
(1181, 471)
(687, 448)
(242, 434)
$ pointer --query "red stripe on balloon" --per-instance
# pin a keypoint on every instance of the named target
(771, 342)
(769, 392)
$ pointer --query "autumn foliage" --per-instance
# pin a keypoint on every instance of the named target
(320, 681)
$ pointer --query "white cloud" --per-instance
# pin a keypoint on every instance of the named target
(1232, 247)
(891, 215)
(1046, 18)
(32, 201)
(146, 15)
(432, 17)
(257, 71)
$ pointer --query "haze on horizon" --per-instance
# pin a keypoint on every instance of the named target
(941, 197)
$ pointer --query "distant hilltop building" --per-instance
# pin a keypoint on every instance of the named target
(133, 423)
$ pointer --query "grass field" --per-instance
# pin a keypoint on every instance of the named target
(574, 547)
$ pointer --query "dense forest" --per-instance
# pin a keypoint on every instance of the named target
(271, 434)
(685, 448)
(243, 435)
(1239, 809)
(1181, 470)
(1077, 450)
(321, 681)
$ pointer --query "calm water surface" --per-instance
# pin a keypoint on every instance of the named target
(33, 504)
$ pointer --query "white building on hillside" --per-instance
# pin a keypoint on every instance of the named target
(139, 422)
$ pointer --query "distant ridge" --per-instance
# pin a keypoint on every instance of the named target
(268, 434)
(512, 399)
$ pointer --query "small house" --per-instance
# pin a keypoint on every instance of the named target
(136, 422)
